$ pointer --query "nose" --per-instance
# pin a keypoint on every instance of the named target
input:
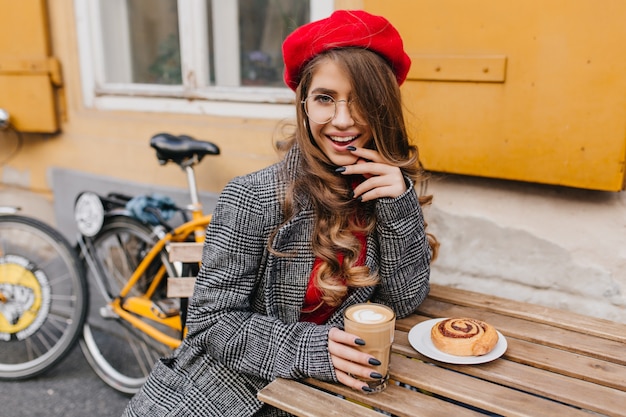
(343, 116)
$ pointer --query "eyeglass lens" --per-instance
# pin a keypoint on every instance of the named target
(321, 108)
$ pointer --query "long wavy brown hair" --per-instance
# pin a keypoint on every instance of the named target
(339, 217)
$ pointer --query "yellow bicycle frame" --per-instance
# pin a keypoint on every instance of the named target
(131, 309)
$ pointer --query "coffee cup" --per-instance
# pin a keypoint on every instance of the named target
(374, 324)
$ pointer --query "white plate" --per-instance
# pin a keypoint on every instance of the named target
(419, 338)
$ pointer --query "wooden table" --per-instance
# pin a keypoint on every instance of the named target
(557, 364)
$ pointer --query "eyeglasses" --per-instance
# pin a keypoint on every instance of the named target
(322, 108)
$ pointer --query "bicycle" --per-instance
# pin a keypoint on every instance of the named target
(43, 296)
(131, 322)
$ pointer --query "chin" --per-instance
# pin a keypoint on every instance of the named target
(343, 160)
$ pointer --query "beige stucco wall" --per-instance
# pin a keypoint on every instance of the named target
(554, 246)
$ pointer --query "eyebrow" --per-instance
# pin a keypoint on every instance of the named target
(322, 90)
(329, 92)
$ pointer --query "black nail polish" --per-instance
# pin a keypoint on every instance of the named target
(366, 388)
(340, 169)
(373, 361)
(376, 375)
(351, 148)
(359, 198)
(359, 342)
(351, 194)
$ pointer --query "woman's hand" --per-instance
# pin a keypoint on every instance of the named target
(382, 180)
(348, 361)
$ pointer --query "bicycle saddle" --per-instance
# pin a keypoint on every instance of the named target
(181, 148)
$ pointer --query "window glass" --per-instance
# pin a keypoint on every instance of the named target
(141, 41)
(263, 25)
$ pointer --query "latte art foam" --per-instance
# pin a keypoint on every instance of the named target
(370, 313)
(369, 316)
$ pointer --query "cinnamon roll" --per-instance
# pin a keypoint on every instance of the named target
(464, 336)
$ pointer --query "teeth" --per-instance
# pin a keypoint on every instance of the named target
(342, 139)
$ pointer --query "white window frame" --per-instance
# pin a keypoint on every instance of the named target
(195, 96)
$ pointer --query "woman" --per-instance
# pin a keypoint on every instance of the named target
(336, 222)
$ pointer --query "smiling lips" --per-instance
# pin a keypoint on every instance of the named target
(343, 140)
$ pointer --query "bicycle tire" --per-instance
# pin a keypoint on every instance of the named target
(121, 355)
(43, 297)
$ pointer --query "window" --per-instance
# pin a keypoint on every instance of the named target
(214, 56)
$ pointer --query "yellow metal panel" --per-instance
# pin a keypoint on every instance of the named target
(559, 114)
(457, 68)
(23, 28)
(28, 74)
(30, 101)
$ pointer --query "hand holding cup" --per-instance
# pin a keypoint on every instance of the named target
(374, 325)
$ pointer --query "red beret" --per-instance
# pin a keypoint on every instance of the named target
(344, 28)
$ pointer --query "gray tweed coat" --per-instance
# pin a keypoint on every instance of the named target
(243, 317)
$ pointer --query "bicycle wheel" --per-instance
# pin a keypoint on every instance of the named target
(119, 353)
(43, 297)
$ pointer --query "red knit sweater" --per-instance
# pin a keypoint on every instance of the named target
(314, 310)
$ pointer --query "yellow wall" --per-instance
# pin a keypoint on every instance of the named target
(28, 74)
(559, 114)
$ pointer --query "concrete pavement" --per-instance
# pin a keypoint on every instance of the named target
(70, 389)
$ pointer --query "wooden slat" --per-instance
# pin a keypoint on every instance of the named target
(185, 251)
(570, 364)
(401, 401)
(180, 287)
(305, 401)
(476, 392)
(558, 337)
(569, 390)
(533, 312)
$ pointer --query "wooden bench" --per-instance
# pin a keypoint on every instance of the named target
(186, 252)
(557, 363)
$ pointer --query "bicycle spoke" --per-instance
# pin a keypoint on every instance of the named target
(46, 338)
(140, 349)
(62, 310)
(58, 322)
(59, 279)
(63, 298)
(31, 350)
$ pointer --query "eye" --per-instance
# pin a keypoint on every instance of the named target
(324, 99)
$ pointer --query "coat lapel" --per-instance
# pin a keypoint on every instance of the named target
(288, 275)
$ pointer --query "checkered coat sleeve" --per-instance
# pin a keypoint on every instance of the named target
(243, 317)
